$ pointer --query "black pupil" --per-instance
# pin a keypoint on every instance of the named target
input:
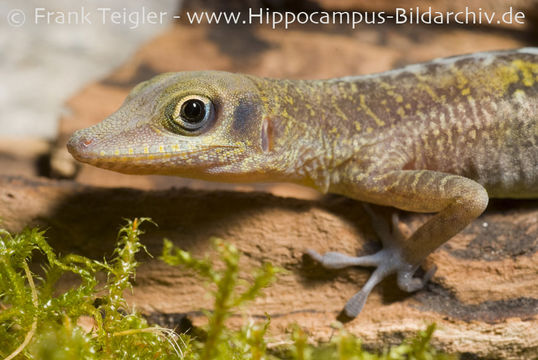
(193, 111)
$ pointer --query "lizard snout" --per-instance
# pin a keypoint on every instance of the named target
(79, 145)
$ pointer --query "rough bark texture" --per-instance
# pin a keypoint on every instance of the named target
(484, 296)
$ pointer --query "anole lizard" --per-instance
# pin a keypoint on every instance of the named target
(440, 137)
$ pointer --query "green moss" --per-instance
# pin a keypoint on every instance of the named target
(38, 323)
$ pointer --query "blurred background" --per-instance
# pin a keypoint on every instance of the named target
(61, 74)
(42, 64)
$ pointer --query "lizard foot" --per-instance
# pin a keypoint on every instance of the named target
(387, 261)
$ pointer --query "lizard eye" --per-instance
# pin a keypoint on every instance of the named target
(192, 112)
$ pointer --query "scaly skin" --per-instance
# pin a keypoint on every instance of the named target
(437, 137)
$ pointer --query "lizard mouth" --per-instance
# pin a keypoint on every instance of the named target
(85, 148)
(152, 159)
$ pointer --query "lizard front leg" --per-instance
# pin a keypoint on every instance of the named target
(456, 200)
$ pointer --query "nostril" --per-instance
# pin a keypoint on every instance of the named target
(79, 144)
(86, 141)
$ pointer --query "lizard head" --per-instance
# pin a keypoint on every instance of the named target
(192, 124)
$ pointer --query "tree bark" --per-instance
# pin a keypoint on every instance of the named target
(484, 296)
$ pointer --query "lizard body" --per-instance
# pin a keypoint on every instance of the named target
(439, 137)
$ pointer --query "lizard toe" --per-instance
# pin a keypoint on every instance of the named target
(408, 283)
